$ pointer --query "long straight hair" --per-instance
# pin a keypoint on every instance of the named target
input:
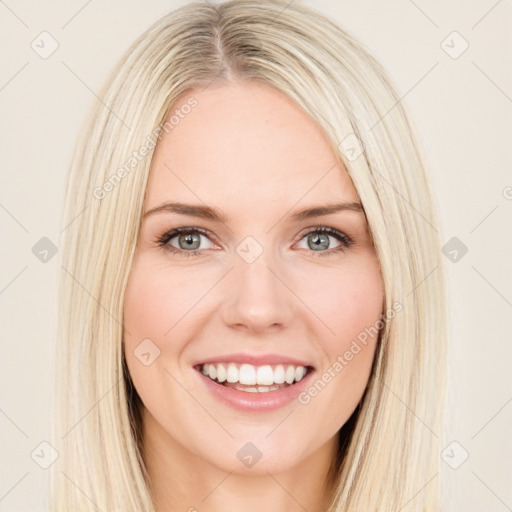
(391, 447)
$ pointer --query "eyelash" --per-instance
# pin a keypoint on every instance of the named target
(345, 241)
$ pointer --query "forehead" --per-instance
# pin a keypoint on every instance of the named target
(241, 145)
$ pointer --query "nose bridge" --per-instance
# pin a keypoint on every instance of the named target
(257, 298)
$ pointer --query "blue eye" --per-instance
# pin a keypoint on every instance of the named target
(188, 241)
(318, 240)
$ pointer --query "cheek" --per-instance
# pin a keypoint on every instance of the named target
(349, 300)
(351, 303)
(156, 303)
(156, 300)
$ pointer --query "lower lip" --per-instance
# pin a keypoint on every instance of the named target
(256, 402)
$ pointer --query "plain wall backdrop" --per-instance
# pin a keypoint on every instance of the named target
(451, 62)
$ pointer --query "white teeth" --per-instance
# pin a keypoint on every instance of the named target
(232, 373)
(299, 373)
(260, 378)
(247, 374)
(290, 374)
(221, 373)
(265, 375)
(256, 389)
(279, 375)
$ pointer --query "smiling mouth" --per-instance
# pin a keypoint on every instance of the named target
(254, 379)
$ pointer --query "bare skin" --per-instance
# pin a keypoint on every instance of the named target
(252, 154)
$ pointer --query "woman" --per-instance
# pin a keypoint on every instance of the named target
(246, 321)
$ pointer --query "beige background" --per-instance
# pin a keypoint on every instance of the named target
(463, 110)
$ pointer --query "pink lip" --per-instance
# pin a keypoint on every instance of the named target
(256, 360)
(256, 402)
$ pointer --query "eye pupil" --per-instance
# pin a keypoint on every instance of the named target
(189, 240)
(320, 240)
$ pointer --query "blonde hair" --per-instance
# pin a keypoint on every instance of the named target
(391, 454)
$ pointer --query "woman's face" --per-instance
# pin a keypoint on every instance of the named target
(254, 294)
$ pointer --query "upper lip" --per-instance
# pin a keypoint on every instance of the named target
(254, 359)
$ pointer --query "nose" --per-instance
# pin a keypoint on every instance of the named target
(258, 298)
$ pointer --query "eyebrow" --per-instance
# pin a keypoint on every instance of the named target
(215, 215)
